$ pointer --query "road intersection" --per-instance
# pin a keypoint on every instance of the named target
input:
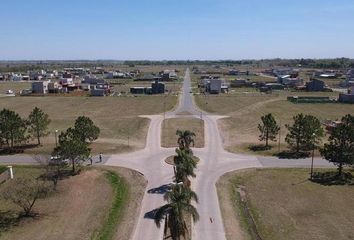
(215, 162)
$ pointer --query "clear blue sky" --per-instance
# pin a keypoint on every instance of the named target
(176, 29)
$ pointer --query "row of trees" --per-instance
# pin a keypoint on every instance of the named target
(15, 130)
(179, 198)
(306, 134)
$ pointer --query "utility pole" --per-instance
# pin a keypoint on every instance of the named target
(128, 136)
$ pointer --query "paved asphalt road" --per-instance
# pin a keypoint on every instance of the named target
(215, 162)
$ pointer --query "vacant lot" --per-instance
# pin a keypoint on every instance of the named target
(117, 117)
(170, 126)
(14, 86)
(77, 209)
(285, 205)
(245, 110)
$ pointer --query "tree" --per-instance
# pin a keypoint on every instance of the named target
(340, 147)
(177, 207)
(86, 130)
(25, 192)
(305, 133)
(184, 165)
(53, 166)
(269, 128)
(185, 138)
(72, 148)
(12, 128)
(38, 124)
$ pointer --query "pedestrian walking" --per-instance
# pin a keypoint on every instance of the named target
(90, 160)
(100, 156)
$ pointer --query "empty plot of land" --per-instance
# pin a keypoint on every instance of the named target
(170, 126)
(245, 111)
(117, 117)
(285, 205)
(77, 210)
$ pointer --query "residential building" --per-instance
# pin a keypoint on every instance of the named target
(315, 85)
(158, 87)
(347, 97)
(40, 87)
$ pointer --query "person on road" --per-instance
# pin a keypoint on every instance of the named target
(90, 158)
(100, 156)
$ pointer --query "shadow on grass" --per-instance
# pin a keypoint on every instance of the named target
(332, 178)
(9, 219)
(259, 148)
(17, 149)
(292, 155)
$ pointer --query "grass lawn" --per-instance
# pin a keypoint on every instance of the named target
(285, 205)
(117, 117)
(80, 208)
(170, 126)
(245, 110)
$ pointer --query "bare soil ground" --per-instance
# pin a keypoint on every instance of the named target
(170, 126)
(79, 207)
(286, 205)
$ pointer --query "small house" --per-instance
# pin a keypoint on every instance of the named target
(157, 87)
(315, 85)
(40, 87)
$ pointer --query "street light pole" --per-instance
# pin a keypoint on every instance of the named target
(313, 154)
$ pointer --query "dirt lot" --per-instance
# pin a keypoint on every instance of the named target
(245, 111)
(170, 126)
(285, 205)
(77, 210)
(117, 117)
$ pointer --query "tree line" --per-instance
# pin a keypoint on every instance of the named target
(15, 131)
(306, 134)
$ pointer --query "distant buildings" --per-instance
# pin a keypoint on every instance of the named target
(156, 88)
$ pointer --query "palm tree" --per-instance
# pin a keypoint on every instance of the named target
(184, 165)
(185, 138)
(174, 212)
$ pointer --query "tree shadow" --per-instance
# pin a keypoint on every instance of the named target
(292, 155)
(332, 178)
(151, 214)
(259, 147)
(160, 190)
(17, 149)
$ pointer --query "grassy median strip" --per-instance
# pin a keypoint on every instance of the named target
(121, 191)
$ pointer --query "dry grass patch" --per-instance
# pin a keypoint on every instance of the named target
(170, 126)
(241, 129)
(286, 205)
(117, 117)
(78, 209)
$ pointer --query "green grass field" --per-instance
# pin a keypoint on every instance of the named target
(286, 205)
